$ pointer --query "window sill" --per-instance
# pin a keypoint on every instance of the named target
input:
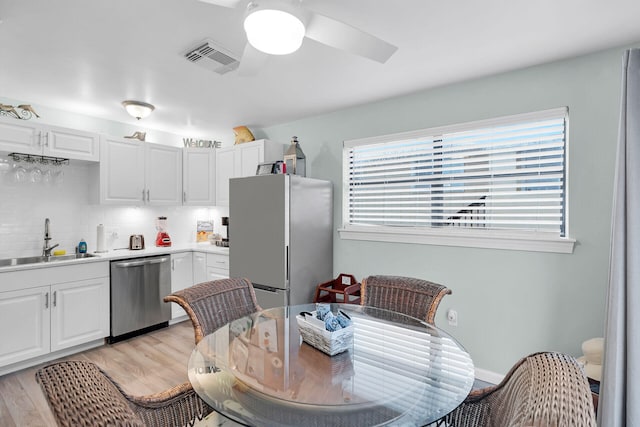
(520, 241)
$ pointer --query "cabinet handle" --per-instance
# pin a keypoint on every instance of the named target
(143, 195)
(148, 199)
(54, 298)
(39, 139)
(184, 196)
(46, 139)
(173, 264)
(46, 300)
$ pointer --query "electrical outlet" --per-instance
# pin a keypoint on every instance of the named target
(452, 317)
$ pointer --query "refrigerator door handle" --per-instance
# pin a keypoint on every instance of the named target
(287, 266)
(266, 288)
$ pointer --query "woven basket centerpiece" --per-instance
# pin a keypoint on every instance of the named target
(313, 330)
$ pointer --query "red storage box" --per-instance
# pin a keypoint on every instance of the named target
(344, 289)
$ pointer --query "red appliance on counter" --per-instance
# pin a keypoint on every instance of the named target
(162, 239)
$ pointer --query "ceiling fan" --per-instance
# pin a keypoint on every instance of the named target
(278, 27)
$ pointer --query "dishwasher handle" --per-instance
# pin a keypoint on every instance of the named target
(125, 264)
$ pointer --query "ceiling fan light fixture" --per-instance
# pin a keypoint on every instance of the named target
(273, 31)
(138, 109)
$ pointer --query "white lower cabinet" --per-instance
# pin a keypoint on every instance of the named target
(191, 268)
(46, 310)
(78, 312)
(181, 277)
(217, 266)
(199, 267)
(24, 324)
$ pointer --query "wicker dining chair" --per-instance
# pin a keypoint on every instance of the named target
(413, 297)
(211, 305)
(542, 389)
(81, 394)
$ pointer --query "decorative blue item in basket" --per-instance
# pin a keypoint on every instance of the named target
(331, 322)
(343, 319)
(322, 310)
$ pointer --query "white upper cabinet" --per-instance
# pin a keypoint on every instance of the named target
(71, 144)
(163, 174)
(134, 172)
(198, 176)
(20, 137)
(248, 157)
(121, 171)
(224, 172)
(242, 160)
(32, 138)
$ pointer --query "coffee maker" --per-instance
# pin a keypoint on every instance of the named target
(162, 238)
(225, 241)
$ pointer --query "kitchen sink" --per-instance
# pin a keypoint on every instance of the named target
(38, 259)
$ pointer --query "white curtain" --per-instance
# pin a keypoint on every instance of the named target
(619, 403)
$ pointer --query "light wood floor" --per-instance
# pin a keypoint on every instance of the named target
(142, 365)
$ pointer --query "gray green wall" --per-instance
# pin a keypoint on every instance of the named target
(509, 303)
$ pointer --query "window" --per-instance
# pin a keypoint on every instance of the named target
(497, 183)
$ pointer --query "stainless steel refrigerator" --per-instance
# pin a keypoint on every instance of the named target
(281, 236)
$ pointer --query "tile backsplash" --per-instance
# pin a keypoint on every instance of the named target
(74, 214)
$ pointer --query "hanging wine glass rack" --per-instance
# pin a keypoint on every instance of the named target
(45, 160)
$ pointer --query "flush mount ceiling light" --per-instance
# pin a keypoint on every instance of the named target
(138, 109)
(274, 27)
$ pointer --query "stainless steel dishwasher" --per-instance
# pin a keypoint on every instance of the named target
(138, 286)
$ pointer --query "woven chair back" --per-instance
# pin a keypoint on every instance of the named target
(542, 389)
(211, 305)
(413, 297)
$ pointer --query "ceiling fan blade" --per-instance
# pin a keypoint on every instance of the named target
(252, 61)
(223, 3)
(343, 36)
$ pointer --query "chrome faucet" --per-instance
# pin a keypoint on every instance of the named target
(46, 249)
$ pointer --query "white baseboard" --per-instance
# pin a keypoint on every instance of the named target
(178, 320)
(50, 356)
(488, 376)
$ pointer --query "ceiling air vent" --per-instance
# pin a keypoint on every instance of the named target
(212, 57)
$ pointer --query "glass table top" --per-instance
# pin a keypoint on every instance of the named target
(396, 370)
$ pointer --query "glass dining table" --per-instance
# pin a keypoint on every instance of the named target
(396, 370)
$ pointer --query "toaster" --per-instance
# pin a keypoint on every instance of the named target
(136, 242)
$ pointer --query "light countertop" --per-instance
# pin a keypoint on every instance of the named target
(115, 254)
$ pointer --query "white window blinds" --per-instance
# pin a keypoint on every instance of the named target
(506, 173)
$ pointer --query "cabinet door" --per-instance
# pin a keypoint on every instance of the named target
(181, 277)
(79, 312)
(19, 137)
(199, 176)
(71, 144)
(163, 174)
(24, 324)
(250, 156)
(121, 172)
(224, 172)
(199, 267)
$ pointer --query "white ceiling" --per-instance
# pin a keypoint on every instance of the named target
(87, 56)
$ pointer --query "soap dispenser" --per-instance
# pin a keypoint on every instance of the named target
(82, 247)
